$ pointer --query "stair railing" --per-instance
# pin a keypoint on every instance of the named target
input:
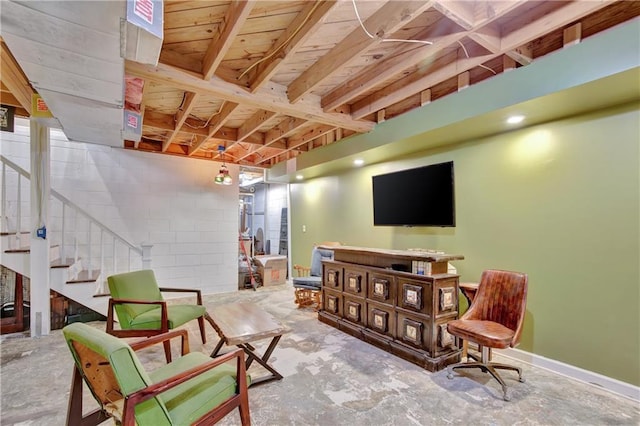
(92, 241)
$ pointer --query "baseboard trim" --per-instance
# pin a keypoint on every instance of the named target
(612, 385)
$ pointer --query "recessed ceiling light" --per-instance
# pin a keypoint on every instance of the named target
(358, 162)
(299, 177)
(515, 119)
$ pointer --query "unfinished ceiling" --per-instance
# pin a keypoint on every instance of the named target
(271, 80)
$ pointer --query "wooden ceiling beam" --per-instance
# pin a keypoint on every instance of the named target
(384, 22)
(488, 37)
(459, 12)
(256, 121)
(522, 54)
(572, 35)
(424, 79)
(252, 150)
(367, 79)
(275, 135)
(414, 83)
(284, 129)
(273, 97)
(236, 15)
(250, 126)
(14, 79)
(558, 18)
(179, 60)
(190, 101)
(165, 122)
(7, 98)
(297, 141)
(216, 124)
(301, 28)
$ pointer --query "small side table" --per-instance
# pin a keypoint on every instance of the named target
(241, 324)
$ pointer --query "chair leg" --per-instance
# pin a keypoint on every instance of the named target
(499, 366)
(74, 410)
(167, 350)
(488, 367)
(496, 376)
(203, 335)
(317, 299)
(245, 417)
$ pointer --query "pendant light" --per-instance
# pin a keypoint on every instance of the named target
(223, 177)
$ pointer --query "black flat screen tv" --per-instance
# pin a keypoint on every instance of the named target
(423, 196)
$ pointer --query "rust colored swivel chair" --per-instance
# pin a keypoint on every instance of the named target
(494, 320)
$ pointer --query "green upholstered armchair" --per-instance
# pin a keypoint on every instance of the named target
(142, 311)
(193, 389)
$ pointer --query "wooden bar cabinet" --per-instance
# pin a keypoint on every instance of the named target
(373, 295)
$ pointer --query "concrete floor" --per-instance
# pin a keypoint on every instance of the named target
(330, 378)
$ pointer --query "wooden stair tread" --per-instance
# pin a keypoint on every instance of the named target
(63, 263)
(85, 277)
(26, 249)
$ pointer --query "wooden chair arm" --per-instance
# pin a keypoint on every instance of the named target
(302, 270)
(159, 338)
(164, 315)
(183, 290)
(171, 382)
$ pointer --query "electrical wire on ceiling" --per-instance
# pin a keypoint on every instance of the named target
(195, 117)
(464, 49)
(315, 6)
(355, 8)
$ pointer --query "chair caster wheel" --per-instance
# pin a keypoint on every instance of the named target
(521, 380)
(450, 376)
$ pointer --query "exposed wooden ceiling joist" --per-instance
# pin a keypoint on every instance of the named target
(273, 80)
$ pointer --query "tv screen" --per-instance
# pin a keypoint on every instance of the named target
(417, 197)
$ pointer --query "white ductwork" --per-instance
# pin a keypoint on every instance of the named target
(73, 55)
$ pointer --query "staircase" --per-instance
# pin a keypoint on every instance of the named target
(83, 253)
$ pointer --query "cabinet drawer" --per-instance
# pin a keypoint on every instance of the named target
(332, 302)
(355, 280)
(354, 309)
(332, 276)
(413, 330)
(445, 342)
(446, 293)
(381, 288)
(381, 319)
(415, 295)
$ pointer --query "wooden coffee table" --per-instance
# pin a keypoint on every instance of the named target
(241, 324)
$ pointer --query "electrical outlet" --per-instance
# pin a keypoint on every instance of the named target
(41, 232)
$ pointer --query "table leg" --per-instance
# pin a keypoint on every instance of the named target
(217, 348)
(262, 360)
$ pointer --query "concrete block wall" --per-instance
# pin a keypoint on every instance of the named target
(169, 202)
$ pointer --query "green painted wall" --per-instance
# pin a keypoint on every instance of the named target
(559, 201)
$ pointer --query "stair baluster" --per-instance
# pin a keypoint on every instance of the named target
(83, 250)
